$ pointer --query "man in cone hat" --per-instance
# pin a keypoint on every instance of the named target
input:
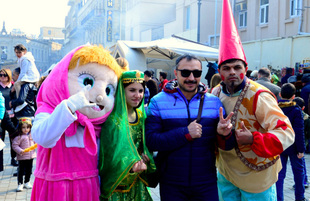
(256, 128)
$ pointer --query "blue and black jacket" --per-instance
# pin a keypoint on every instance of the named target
(183, 161)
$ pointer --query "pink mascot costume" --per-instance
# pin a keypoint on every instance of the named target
(73, 102)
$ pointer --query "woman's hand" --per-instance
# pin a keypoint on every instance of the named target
(145, 158)
(139, 166)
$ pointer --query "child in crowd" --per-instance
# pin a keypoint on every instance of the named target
(28, 69)
(301, 103)
(22, 141)
(296, 151)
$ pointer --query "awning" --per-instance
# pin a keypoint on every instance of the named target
(171, 48)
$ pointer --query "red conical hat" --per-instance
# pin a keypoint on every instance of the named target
(230, 44)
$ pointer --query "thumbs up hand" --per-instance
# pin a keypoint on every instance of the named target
(243, 135)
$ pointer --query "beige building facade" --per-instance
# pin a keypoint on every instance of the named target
(93, 21)
(273, 32)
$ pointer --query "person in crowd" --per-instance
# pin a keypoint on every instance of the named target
(301, 103)
(41, 80)
(185, 145)
(289, 72)
(124, 159)
(14, 120)
(5, 88)
(212, 69)
(296, 151)
(15, 75)
(264, 79)
(248, 73)
(275, 79)
(28, 69)
(163, 80)
(25, 104)
(305, 91)
(6, 124)
(298, 84)
(254, 75)
(258, 129)
(215, 80)
(150, 84)
(22, 141)
(74, 101)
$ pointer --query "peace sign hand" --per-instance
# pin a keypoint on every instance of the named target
(224, 126)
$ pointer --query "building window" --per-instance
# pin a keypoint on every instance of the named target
(49, 32)
(295, 7)
(214, 40)
(241, 7)
(188, 18)
(264, 11)
(243, 19)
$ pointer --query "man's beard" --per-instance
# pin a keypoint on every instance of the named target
(232, 85)
(184, 89)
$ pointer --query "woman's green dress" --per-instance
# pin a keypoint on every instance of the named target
(121, 146)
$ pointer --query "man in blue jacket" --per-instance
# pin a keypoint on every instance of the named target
(186, 148)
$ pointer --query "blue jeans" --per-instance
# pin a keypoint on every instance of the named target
(299, 176)
(230, 192)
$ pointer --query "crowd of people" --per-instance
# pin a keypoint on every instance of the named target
(100, 131)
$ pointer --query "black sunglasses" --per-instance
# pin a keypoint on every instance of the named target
(187, 73)
(3, 75)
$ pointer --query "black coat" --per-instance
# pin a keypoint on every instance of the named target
(28, 92)
(6, 124)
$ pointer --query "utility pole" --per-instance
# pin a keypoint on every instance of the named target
(198, 26)
(215, 23)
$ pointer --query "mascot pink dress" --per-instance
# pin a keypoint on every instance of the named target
(73, 102)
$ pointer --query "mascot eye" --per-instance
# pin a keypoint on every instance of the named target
(86, 79)
(109, 90)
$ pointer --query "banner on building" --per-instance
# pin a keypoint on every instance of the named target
(109, 26)
(110, 3)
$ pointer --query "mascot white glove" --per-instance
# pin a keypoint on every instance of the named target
(80, 100)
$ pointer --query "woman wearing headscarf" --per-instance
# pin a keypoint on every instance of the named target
(124, 159)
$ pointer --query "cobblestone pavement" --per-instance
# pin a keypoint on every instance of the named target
(8, 183)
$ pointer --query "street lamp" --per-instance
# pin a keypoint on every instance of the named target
(198, 26)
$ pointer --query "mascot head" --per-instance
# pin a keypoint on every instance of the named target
(85, 65)
(93, 65)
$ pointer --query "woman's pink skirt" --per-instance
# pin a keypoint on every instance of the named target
(67, 190)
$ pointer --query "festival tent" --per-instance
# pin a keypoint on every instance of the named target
(161, 54)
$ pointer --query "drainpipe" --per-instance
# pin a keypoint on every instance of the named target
(215, 23)
(198, 27)
(301, 19)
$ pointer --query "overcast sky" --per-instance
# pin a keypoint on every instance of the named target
(30, 15)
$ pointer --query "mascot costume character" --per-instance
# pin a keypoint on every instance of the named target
(73, 102)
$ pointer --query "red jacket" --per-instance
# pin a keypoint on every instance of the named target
(162, 84)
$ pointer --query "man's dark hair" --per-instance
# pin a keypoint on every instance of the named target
(305, 78)
(188, 57)
(248, 73)
(288, 90)
(17, 70)
(264, 72)
(20, 47)
(163, 74)
(299, 101)
(148, 73)
(289, 71)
